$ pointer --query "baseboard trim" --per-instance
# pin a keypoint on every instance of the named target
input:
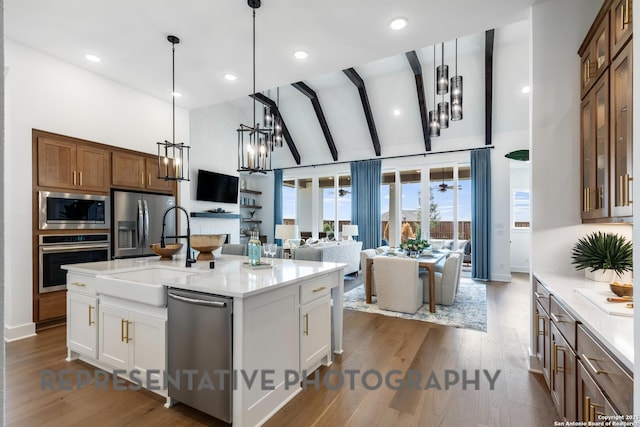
(520, 269)
(15, 333)
(501, 277)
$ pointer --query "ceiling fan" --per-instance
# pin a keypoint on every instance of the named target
(342, 192)
(443, 187)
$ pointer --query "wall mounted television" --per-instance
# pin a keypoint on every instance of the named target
(216, 187)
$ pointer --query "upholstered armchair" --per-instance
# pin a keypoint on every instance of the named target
(398, 284)
(234, 249)
(364, 254)
(447, 281)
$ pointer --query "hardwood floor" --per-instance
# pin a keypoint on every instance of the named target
(371, 342)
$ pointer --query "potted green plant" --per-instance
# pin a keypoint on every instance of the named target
(605, 257)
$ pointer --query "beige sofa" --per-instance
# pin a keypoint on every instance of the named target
(344, 251)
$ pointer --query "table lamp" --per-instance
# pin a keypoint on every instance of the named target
(349, 230)
(286, 232)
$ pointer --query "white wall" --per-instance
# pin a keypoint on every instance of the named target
(636, 226)
(45, 93)
(520, 237)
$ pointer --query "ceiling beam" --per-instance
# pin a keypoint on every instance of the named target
(315, 102)
(265, 100)
(488, 85)
(414, 62)
(359, 83)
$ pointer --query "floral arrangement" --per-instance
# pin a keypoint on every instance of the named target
(415, 245)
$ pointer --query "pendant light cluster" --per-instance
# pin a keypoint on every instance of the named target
(273, 121)
(255, 143)
(173, 158)
(444, 111)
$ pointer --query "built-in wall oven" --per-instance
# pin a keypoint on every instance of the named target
(57, 250)
(73, 211)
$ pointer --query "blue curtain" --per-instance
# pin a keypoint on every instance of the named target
(366, 177)
(480, 213)
(277, 199)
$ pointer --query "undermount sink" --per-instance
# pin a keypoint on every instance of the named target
(144, 285)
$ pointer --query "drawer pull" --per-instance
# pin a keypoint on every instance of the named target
(558, 318)
(321, 288)
(78, 284)
(593, 368)
(538, 331)
(540, 296)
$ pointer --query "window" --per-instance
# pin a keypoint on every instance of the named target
(521, 206)
(344, 201)
(410, 212)
(327, 195)
(387, 201)
(289, 201)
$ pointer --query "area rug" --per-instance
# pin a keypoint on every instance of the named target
(468, 311)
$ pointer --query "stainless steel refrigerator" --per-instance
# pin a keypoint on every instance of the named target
(137, 222)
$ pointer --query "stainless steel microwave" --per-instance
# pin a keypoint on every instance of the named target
(73, 211)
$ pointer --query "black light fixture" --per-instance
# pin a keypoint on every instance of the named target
(456, 92)
(173, 158)
(434, 123)
(443, 75)
(255, 143)
(443, 106)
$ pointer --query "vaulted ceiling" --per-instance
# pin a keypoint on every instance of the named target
(130, 38)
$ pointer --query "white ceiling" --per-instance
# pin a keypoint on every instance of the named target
(130, 37)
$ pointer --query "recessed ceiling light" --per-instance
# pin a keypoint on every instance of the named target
(396, 112)
(301, 54)
(398, 23)
(176, 94)
(230, 77)
(92, 58)
(526, 89)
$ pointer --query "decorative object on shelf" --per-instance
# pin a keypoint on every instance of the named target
(252, 214)
(205, 244)
(255, 249)
(166, 253)
(622, 289)
(415, 246)
(349, 230)
(173, 158)
(522, 155)
(255, 143)
(604, 251)
(286, 232)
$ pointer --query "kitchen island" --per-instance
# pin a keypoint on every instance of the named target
(283, 321)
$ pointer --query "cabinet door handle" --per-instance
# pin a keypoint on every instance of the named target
(538, 331)
(142, 179)
(557, 318)
(621, 190)
(306, 324)
(321, 288)
(557, 347)
(627, 188)
(78, 284)
(540, 296)
(122, 330)
(593, 368)
(127, 337)
(91, 322)
(149, 180)
(80, 174)
(74, 178)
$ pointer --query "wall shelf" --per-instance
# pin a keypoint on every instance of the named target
(250, 191)
(215, 215)
(254, 221)
(251, 206)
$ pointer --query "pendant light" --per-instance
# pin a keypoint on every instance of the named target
(456, 92)
(173, 158)
(434, 123)
(254, 142)
(443, 106)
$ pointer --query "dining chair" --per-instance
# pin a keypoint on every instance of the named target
(447, 280)
(398, 284)
(234, 249)
(364, 255)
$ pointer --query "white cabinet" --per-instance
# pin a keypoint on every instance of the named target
(315, 324)
(82, 316)
(133, 341)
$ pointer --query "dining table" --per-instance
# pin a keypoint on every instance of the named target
(427, 262)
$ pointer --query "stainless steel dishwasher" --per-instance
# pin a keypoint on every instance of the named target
(200, 351)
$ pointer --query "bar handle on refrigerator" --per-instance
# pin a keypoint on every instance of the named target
(140, 225)
(146, 222)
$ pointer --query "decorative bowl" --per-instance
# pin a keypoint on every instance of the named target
(622, 289)
(168, 251)
(206, 244)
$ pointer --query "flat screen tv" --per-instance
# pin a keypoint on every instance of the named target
(217, 187)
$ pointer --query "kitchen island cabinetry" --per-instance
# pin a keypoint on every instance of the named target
(66, 164)
(82, 335)
(133, 340)
(271, 308)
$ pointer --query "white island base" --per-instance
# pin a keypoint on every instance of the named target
(281, 322)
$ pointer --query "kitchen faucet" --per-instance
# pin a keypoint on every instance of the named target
(188, 236)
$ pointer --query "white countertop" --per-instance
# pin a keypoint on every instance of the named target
(228, 278)
(615, 332)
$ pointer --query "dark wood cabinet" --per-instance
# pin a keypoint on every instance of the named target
(65, 164)
(139, 172)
